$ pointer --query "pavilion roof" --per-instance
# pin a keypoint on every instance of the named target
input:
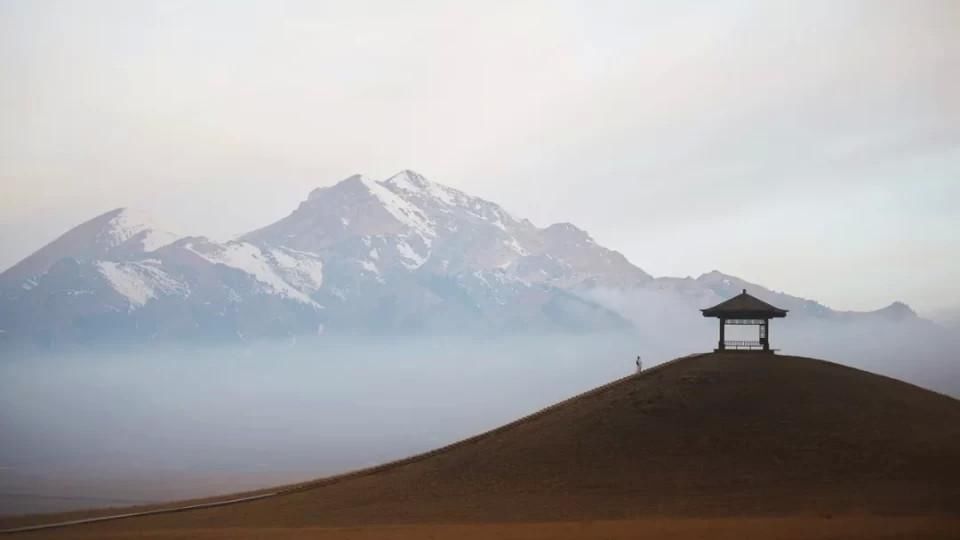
(744, 306)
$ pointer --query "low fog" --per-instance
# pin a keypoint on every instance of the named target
(122, 426)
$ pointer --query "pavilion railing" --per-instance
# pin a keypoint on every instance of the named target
(742, 345)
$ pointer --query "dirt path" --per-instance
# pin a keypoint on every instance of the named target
(111, 517)
(781, 528)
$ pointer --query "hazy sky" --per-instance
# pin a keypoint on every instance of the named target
(813, 147)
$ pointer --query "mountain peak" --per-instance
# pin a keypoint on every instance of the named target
(355, 179)
(349, 182)
(408, 179)
(408, 183)
(716, 277)
(714, 274)
(124, 224)
(897, 310)
(338, 204)
(117, 234)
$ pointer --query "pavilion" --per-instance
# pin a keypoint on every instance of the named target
(744, 309)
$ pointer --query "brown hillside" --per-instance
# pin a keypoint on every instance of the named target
(719, 435)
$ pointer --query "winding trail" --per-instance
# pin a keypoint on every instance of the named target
(136, 514)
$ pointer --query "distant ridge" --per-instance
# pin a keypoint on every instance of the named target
(399, 256)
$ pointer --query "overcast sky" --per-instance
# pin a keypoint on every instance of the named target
(813, 147)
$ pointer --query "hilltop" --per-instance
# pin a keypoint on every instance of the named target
(730, 435)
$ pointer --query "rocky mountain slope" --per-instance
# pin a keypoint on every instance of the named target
(399, 256)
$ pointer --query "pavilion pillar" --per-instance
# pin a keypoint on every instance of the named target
(766, 334)
(722, 345)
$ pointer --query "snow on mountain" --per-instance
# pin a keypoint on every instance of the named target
(140, 282)
(302, 270)
(152, 239)
(126, 225)
(411, 259)
(414, 184)
(367, 221)
(115, 236)
(406, 213)
(274, 269)
(438, 200)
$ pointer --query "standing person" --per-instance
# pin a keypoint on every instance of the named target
(639, 364)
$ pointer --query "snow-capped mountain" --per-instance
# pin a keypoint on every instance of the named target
(115, 235)
(400, 255)
(408, 222)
